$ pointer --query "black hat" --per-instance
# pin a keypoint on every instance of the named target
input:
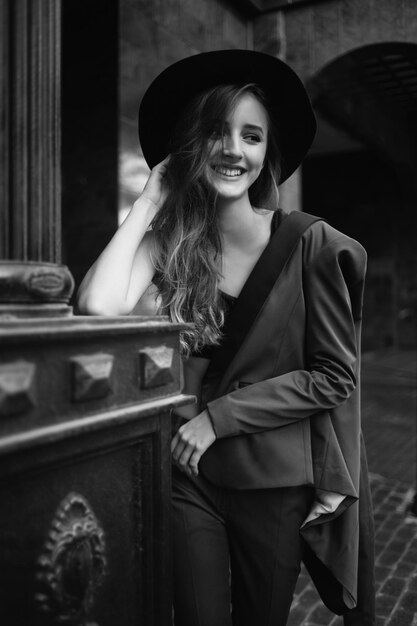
(167, 95)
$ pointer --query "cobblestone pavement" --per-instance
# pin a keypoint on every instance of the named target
(389, 425)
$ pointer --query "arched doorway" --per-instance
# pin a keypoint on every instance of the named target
(362, 176)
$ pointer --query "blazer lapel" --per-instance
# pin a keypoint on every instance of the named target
(257, 287)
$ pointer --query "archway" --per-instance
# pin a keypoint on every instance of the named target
(361, 176)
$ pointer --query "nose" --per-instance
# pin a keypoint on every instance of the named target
(231, 146)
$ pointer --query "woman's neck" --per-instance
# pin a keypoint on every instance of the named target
(239, 224)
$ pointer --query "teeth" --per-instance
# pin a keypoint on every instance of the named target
(226, 172)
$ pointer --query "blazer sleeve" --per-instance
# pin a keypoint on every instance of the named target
(333, 289)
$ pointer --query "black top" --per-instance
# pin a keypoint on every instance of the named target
(228, 301)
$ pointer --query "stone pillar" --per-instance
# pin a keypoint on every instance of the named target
(31, 280)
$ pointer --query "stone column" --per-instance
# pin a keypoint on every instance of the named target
(32, 282)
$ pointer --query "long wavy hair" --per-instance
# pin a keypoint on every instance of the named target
(187, 249)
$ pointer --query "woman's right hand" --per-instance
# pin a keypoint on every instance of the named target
(155, 190)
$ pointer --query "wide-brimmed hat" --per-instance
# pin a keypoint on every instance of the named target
(171, 90)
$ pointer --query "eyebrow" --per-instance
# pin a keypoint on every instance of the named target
(245, 126)
(254, 127)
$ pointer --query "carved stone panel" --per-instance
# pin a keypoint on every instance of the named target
(156, 366)
(91, 376)
(72, 565)
(17, 393)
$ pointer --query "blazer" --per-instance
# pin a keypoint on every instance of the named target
(286, 411)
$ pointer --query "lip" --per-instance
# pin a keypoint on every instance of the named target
(228, 172)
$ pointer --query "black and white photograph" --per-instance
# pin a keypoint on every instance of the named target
(208, 313)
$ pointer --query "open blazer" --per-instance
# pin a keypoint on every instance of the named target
(286, 411)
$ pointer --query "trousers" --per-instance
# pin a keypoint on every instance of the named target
(237, 553)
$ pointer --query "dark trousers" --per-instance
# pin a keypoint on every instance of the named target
(237, 553)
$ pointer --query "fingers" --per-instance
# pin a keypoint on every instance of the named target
(155, 189)
(177, 447)
(191, 441)
(166, 160)
(186, 452)
(162, 165)
(188, 461)
(193, 462)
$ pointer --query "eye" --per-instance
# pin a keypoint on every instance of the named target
(253, 138)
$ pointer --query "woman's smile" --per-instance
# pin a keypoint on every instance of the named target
(227, 171)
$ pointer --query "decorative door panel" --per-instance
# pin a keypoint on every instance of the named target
(86, 535)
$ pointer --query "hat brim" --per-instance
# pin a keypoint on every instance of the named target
(171, 90)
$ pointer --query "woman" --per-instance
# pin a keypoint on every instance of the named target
(268, 458)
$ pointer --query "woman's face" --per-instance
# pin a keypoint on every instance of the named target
(238, 149)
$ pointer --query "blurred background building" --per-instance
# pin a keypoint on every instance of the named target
(358, 59)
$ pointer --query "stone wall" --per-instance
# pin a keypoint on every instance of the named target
(317, 34)
(154, 34)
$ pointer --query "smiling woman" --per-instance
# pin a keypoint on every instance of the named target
(223, 164)
(272, 362)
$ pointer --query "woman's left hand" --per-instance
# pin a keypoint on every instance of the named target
(191, 441)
